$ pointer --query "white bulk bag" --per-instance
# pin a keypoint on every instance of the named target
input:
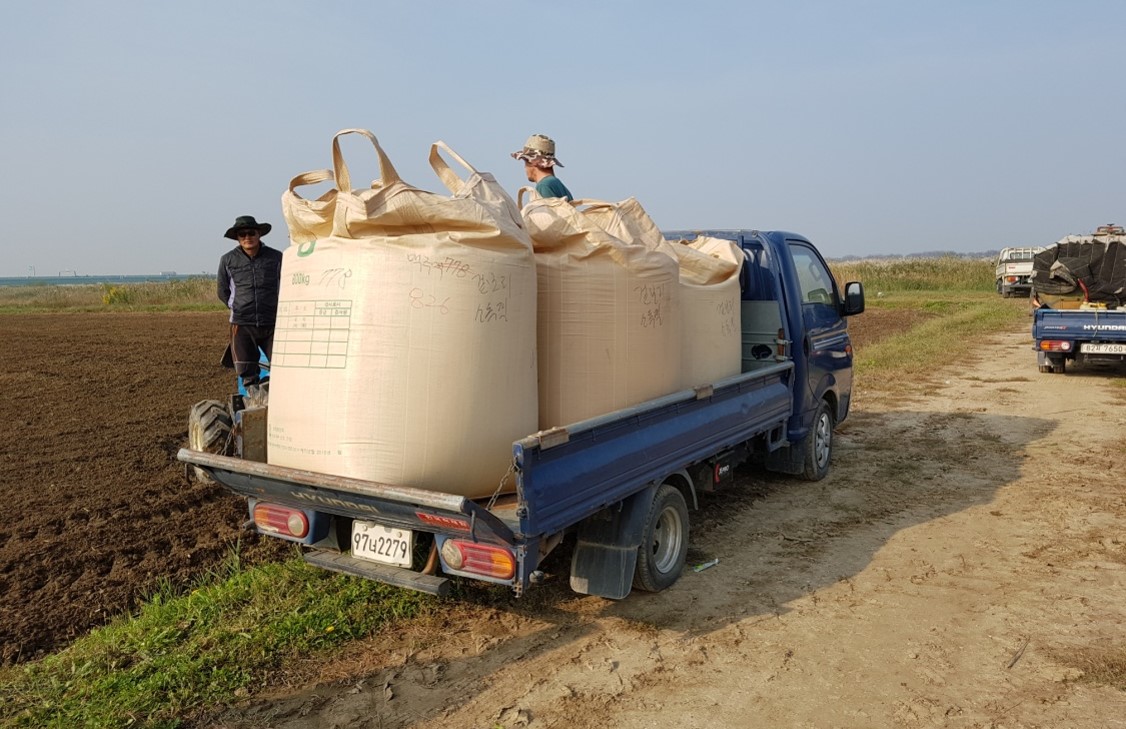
(609, 316)
(405, 346)
(709, 293)
(710, 301)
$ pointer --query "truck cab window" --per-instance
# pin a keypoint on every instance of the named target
(815, 281)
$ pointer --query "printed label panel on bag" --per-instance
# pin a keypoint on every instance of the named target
(313, 334)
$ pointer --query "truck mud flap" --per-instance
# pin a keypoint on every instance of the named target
(606, 551)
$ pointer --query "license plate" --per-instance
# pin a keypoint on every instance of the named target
(1097, 348)
(381, 543)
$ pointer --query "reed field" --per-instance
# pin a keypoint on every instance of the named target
(948, 273)
(198, 293)
(191, 294)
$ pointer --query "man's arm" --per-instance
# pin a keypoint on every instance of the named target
(223, 284)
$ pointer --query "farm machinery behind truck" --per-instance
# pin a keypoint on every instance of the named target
(230, 427)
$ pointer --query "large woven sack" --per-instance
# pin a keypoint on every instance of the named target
(710, 299)
(709, 290)
(628, 221)
(609, 316)
(405, 349)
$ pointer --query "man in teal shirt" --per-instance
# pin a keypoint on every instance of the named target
(538, 156)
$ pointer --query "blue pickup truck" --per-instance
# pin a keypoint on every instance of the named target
(620, 483)
(1079, 295)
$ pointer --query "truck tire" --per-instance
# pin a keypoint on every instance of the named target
(818, 445)
(209, 430)
(1054, 365)
(664, 542)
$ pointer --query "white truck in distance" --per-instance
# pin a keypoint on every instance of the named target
(1013, 270)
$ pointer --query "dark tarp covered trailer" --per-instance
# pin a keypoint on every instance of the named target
(1094, 264)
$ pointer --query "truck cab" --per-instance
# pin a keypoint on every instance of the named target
(790, 295)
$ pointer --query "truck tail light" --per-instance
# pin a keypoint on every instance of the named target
(281, 520)
(479, 559)
(1055, 345)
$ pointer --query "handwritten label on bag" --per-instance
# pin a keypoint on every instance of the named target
(652, 298)
(448, 265)
(726, 311)
(330, 277)
(419, 299)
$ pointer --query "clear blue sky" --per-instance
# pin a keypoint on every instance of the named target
(135, 132)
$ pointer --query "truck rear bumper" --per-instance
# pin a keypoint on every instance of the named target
(380, 573)
(395, 506)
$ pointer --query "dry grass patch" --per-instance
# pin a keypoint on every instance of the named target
(1105, 666)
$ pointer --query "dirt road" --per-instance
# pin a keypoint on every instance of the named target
(963, 566)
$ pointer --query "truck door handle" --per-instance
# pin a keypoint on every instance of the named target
(806, 345)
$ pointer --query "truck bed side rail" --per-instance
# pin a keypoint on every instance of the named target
(565, 475)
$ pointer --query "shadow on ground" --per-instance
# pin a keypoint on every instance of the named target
(777, 539)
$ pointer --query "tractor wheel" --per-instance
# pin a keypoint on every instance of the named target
(209, 430)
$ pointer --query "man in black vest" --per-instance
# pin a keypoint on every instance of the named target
(248, 282)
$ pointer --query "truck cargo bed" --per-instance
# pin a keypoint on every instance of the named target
(562, 475)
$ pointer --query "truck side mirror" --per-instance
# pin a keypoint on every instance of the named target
(854, 298)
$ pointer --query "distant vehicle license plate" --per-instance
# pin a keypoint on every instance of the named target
(381, 543)
(1097, 348)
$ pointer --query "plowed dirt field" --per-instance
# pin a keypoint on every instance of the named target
(93, 408)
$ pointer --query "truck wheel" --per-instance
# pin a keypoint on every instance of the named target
(1054, 365)
(664, 543)
(818, 445)
(209, 429)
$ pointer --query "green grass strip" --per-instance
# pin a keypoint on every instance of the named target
(963, 326)
(207, 647)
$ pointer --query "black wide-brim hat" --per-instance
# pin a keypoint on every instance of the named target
(244, 222)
